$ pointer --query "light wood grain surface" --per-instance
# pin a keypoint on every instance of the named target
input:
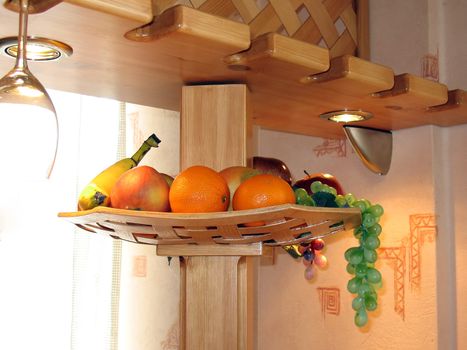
(217, 298)
(187, 46)
(138, 10)
(214, 119)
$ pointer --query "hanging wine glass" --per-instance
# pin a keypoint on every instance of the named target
(28, 120)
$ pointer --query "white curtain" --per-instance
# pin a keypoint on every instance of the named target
(56, 283)
(63, 288)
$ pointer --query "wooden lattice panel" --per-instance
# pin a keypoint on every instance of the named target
(281, 225)
(331, 24)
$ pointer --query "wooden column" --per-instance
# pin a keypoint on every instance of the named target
(218, 294)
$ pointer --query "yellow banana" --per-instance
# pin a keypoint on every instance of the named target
(97, 192)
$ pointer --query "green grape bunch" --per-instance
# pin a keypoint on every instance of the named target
(361, 259)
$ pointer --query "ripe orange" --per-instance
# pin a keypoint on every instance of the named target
(199, 189)
(260, 191)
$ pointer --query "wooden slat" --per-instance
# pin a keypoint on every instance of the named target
(283, 57)
(266, 21)
(211, 250)
(308, 32)
(323, 20)
(412, 92)
(349, 18)
(453, 112)
(218, 7)
(287, 15)
(350, 75)
(248, 9)
(363, 28)
(336, 7)
(184, 32)
(343, 45)
(197, 3)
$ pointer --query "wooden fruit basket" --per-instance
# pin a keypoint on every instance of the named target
(280, 225)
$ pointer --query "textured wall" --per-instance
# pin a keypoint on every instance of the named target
(318, 314)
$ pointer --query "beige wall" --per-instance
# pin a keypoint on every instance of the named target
(290, 307)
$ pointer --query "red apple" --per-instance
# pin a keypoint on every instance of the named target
(234, 176)
(273, 166)
(326, 179)
(141, 188)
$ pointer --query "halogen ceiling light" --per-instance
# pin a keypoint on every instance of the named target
(346, 116)
(37, 48)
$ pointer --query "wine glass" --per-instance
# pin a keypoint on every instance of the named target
(28, 119)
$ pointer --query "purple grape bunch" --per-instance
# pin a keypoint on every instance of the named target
(312, 256)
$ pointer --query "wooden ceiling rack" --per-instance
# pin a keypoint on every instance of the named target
(291, 81)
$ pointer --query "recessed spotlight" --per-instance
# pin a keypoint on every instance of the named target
(346, 116)
(37, 48)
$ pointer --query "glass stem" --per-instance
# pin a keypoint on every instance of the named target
(21, 58)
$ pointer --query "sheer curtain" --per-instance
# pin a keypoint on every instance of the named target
(56, 283)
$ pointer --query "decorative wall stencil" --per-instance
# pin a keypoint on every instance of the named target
(422, 227)
(139, 266)
(430, 67)
(329, 299)
(171, 339)
(331, 147)
(396, 257)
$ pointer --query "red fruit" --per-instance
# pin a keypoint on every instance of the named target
(273, 166)
(318, 244)
(141, 188)
(326, 179)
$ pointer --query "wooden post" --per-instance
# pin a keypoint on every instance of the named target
(217, 306)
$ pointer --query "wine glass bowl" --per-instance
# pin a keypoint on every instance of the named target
(20, 86)
(26, 108)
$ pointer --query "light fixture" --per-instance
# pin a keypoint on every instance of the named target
(37, 48)
(346, 116)
(373, 146)
(28, 121)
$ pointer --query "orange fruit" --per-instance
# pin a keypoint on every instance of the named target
(260, 191)
(199, 189)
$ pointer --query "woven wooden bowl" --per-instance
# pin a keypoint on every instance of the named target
(282, 225)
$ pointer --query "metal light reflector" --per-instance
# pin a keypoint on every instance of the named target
(38, 48)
